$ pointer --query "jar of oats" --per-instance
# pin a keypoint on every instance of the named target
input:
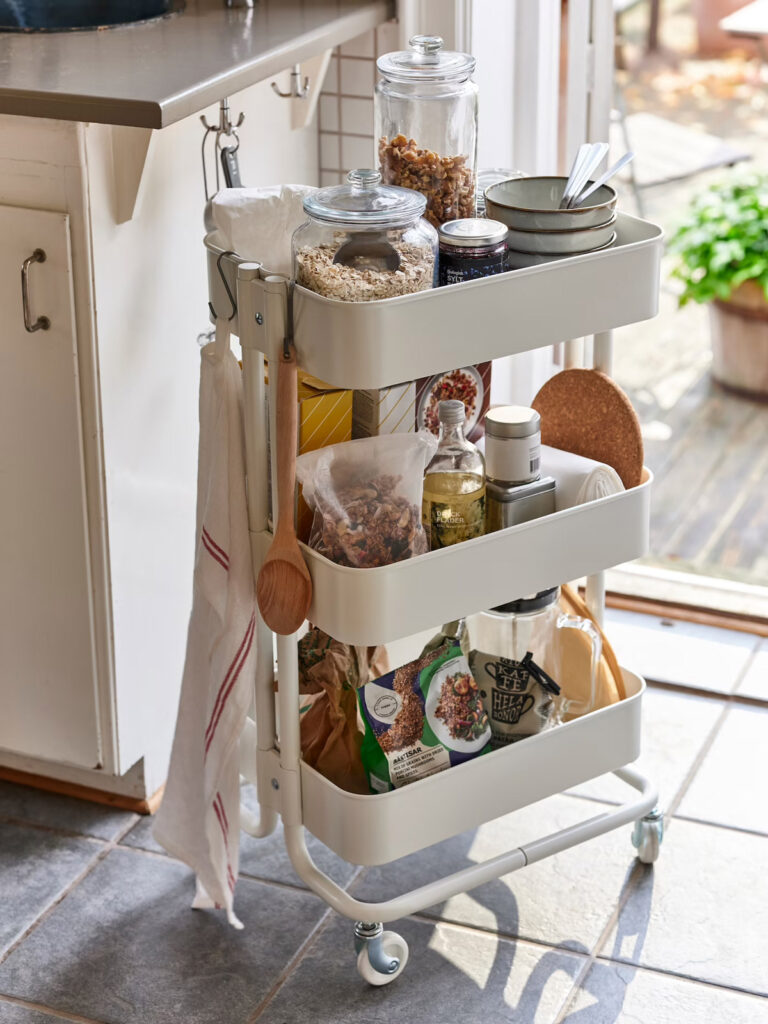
(364, 240)
(426, 126)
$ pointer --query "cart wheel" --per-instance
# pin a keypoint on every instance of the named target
(381, 956)
(648, 835)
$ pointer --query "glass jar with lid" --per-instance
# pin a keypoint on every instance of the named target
(426, 126)
(505, 640)
(364, 240)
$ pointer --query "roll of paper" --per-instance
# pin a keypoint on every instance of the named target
(578, 479)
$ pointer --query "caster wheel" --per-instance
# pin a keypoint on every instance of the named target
(393, 951)
(647, 837)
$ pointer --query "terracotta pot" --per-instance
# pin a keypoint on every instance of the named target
(711, 39)
(739, 337)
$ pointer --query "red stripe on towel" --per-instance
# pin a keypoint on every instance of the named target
(223, 812)
(224, 683)
(214, 554)
(221, 816)
(216, 546)
(218, 815)
(221, 700)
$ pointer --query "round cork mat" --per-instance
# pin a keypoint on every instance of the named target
(585, 412)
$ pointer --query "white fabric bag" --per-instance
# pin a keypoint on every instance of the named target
(199, 819)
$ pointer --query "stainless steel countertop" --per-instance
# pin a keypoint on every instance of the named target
(153, 74)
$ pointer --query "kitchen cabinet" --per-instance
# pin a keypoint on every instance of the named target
(49, 706)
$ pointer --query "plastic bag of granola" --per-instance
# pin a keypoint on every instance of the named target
(366, 498)
(422, 718)
(329, 674)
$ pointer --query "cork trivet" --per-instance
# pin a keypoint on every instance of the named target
(585, 412)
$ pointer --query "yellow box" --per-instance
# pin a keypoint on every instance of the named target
(324, 418)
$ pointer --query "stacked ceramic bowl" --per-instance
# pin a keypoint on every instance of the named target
(539, 231)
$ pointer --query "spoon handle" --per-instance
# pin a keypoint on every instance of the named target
(286, 424)
(597, 151)
(578, 162)
(603, 178)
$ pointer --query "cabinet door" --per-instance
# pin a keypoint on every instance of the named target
(48, 697)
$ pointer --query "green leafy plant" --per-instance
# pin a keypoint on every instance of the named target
(724, 240)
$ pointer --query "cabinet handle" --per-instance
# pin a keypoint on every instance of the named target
(42, 323)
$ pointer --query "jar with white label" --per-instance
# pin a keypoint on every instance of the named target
(515, 493)
(512, 444)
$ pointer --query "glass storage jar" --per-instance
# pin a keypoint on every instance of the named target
(364, 240)
(501, 638)
(426, 126)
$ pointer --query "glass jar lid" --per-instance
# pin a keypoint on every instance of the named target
(426, 61)
(532, 603)
(472, 232)
(363, 200)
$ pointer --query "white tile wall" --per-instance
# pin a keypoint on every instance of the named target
(329, 113)
(357, 76)
(329, 151)
(357, 116)
(345, 113)
(356, 151)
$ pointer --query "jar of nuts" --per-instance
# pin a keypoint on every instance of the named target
(364, 241)
(426, 126)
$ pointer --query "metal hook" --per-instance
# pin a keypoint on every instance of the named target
(228, 290)
(226, 127)
(298, 90)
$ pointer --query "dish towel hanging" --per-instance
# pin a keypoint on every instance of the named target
(199, 819)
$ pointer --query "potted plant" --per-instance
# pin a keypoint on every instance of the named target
(722, 259)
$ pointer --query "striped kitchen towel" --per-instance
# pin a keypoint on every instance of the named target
(199, 819)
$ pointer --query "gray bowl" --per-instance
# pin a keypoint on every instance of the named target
(531, 204)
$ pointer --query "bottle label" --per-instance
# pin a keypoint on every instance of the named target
(450, 523)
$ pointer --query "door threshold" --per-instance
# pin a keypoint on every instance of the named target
(708, 600)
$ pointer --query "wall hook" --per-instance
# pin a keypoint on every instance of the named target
(298, 89)
(225, 128)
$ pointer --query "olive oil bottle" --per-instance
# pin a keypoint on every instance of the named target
(453, 506)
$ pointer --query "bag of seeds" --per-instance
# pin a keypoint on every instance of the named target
(422, 718)
(366, 498)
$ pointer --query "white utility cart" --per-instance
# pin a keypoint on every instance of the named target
(375, 344)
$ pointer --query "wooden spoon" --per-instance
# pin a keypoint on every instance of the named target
(284, 586)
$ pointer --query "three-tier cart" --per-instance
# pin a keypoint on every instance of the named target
(376, 344)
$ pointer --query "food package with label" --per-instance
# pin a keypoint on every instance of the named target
(422, 718)
(384, 410)
(470, 384)
(324, 418)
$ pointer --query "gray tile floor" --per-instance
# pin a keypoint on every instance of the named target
(95, 922)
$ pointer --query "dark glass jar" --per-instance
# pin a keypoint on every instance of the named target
(470, 248)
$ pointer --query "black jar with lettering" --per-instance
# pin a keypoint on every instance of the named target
(470, 248)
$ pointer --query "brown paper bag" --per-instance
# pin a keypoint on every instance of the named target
(330, 673)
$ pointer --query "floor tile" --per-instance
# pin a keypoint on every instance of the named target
(755, 681)
(259, 858)
(452, 974)
(565, 900)
(675, 728)
(701, 912)
(36, 866)
(617, 992)
(140, 837)
(12, 1013)
(125, 946)
(672, 651)
(23, 803)
(729, 787)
